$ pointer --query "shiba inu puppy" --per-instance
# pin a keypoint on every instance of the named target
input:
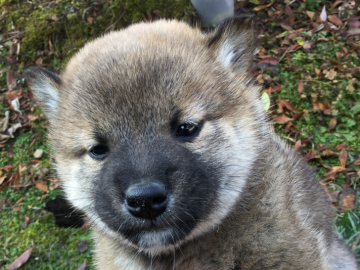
(160, 137)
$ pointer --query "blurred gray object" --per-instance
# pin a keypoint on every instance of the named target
(212, 12)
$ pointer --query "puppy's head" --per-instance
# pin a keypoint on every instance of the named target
(155, 129)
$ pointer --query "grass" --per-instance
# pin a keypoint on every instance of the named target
(54, 248)
(348, 226)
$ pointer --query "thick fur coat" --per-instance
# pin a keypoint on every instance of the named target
(165, 106)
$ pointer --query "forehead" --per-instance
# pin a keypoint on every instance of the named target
(144, 76)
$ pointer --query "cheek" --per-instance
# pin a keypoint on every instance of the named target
(231, 147)
(78, 178)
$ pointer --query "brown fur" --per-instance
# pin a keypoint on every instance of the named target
(269, 211)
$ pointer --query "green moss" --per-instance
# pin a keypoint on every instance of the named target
(54, 248)
(343, 100)
(22, 152)
(70, 29)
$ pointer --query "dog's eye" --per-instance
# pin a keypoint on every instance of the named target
(99, 151)
(187, 130)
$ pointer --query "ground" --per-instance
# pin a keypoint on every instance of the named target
(308, 63)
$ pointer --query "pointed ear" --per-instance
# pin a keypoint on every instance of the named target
(45, 85)
(234, 43)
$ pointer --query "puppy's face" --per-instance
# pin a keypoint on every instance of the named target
(155, 129)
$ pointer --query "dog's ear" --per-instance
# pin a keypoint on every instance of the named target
(234, 43)
(45, 86)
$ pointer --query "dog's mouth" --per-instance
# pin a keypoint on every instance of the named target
(148, 239)
(157, 233)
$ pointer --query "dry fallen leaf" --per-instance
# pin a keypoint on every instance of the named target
(336, 3)
(42, 185)
(335, 63)
(307, 45)
(343, 157)
(292, 35)
(148, 18)
(288, 10)
(344, 49)
(297, 145)
(276, 88)
(2, 179)
(32, 117)
(13, 128)
(354, 22)
(297, 115)
(13, 94)
(290, 127)
(327, 153)
(16, 208)
(271, 61)
(16, 179)
(262, 7)
(39, 61)
(330, 74)
(52, 48)
(340, 146)
(282, 119)
(335, 169)
(281, 108)
(310, 14)
(348, 201)
(319, 28)
(329, 177)
(310, 155)
(286, 27)
(332, 123)
(338, 55)
(353, 32)
(323, 15)
(318, 105)
(10, 79)
(355, 70)
(288, 105)
(357, 162)
(335, 20)
(300, 86)
(16, 105)
(4, 123)
(83, 266)
(20, 260)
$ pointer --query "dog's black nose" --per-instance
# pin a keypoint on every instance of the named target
(146, 200)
